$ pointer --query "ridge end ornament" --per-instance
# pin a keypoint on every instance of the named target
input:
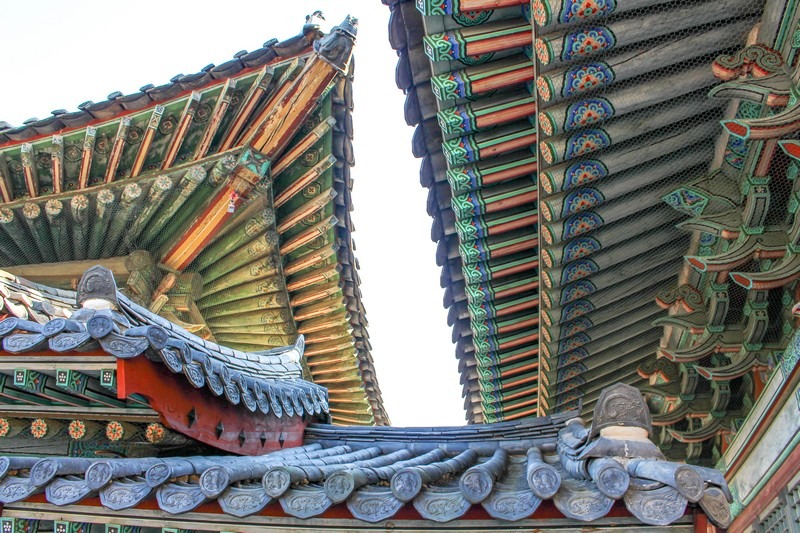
(336, 48)
(621, 406)
(97, 289)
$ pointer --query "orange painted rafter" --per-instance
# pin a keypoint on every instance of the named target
(216, 118)
(252, 98)
(183, 126)
(29, 170)
(300, 148)
(6, 189)
(482, 5)
(149, 134)
(86, 159)
(116, 150)
(300, 183)
(57, 157)
(277, 124)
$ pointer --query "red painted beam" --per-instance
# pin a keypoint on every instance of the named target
(174, 398)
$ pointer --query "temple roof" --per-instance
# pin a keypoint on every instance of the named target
(269, 380)
(512, 470)
(235, 228)
(549, 186)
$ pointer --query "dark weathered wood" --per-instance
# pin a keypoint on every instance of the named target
(166, 212)
(560, 147)
(37, 226)
(117, 235)
(59, 229)
(105, 203)
(629, 64)
(563, 176)
(655, 24)
(159, 189)
(81, 230)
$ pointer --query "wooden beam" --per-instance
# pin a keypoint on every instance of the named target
(6, 188)
(216, 118)
(47, 273)
(89, 413)
(255, 93)
(199, 415)
(86, 159)
(27, 154)
(149, 134)
(57, 156)
(180, 132)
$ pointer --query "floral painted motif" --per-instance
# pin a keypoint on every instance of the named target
(543, 51)
(38, 428)
(77, 429)
(581, 223)
(546, 123)
(568, 385)
(587, 42)
(547, 152)
(580, 247)
(571, 371)
(576, 309)
(577, 290)
(154, 433)
(583, 172)
(547, 234)
(587, 77)
(572, 10)
(540, 12)
(544, 89)
(587, 112)
(570, 345)
(579, 269)
(470, 229)
(472, 18)
(476, 273)
(575, 326)
(581, 200)
(114, 431)
(4, 427)
(585, 142)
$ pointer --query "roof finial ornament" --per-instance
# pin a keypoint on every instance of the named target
(97, 289)
(620, 406)
(336, 48)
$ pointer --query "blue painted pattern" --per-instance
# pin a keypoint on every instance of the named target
(587, 112)
(587, 42)
(583, 172)
(584, 78)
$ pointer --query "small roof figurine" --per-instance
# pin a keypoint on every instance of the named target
(97, 289)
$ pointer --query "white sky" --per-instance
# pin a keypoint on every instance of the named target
(56, 54)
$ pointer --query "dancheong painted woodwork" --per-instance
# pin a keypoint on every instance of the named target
(623, 207)
(613, 187)
(220, 201)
